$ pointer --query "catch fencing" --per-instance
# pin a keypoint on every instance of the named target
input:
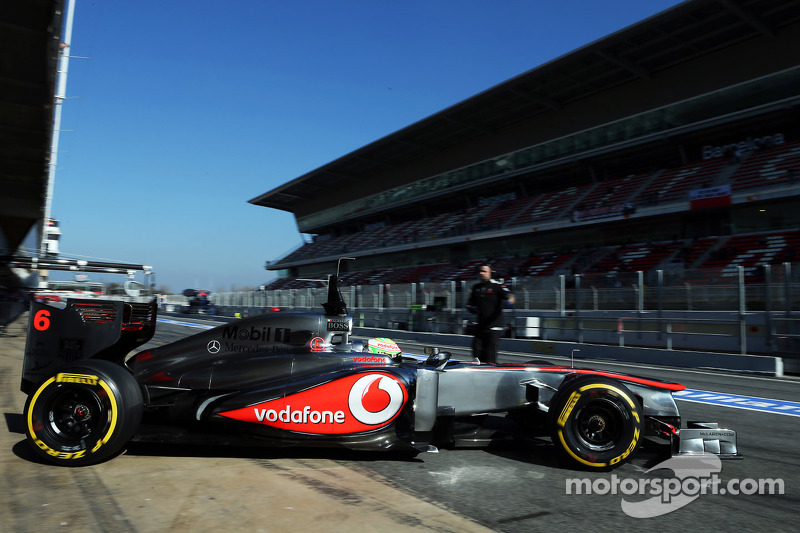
(685, 290)
(691, 309)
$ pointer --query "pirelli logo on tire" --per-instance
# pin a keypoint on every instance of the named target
(83, 379)
(562, 419)
(598, 424)
(40, 418)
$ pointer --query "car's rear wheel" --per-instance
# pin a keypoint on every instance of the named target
(84, 414)
(596, 422)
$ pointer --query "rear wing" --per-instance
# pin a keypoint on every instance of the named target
(84, 329)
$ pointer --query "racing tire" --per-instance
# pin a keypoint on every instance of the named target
(84, 414)
(596, 422)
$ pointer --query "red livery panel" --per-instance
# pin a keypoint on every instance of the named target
(354, 404)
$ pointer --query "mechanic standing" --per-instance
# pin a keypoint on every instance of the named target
(487, 300)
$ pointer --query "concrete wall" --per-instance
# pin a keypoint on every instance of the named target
(686, 359)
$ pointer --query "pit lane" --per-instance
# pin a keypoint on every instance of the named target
(513, 487)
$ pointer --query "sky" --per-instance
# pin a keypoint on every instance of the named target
(184, 111)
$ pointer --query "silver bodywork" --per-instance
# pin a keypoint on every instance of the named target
(466, 390)
(701, 438)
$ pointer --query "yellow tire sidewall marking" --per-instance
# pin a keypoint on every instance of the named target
(75, 455)
(570, 405)
(610, 387)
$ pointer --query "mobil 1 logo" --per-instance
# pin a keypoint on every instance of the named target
(263, 334)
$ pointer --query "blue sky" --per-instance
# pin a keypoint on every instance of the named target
(186, 110)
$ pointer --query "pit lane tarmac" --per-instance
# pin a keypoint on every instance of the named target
(515, 487)
(198, 488)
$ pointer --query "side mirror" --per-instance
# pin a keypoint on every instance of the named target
(436, 358)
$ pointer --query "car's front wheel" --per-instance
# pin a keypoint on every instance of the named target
(84, 414)
(596, 422)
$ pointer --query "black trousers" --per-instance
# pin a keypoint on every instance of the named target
(484, 345)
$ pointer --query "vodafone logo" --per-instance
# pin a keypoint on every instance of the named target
(369, 359)
(356, 403)
(375, 399)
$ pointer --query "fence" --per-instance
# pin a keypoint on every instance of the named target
(704, 310)
(685, 290)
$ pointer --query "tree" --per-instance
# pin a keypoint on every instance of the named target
(163, 289)
(114, 288)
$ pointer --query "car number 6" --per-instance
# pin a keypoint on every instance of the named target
(41, 320)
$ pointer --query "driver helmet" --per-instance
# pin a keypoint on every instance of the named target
(383, 346)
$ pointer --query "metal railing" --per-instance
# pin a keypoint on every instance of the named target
(688, 309)
(686, 290)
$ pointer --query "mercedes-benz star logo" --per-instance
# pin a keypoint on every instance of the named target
(213, 346)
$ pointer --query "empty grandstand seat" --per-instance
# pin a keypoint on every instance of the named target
(768, 167)
(675, 184)
(545, 263)
(459, 223)
(552, 205)
(751, 251)
(696, 250)
(613, 191)
(503, 214)
(636, 257)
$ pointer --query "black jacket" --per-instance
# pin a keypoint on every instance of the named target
(488, 300)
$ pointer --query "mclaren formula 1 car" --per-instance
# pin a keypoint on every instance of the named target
(299, 379)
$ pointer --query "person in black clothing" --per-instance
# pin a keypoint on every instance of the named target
(487, 300)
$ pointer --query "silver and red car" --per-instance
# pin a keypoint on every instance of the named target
(300, 379)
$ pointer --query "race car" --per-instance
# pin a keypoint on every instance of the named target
(301, 379)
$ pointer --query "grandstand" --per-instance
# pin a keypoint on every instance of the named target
(671, 144)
